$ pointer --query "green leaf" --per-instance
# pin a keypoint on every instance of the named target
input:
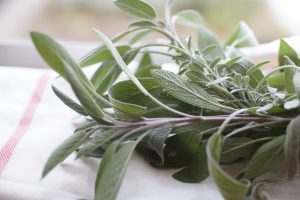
(183, 145)
(82, 93)
(69, 102)
(108, 72)
(207, 39)
(197, 170)
(296, 82)
(102, 54)
(64, 150)
(277, 81)
(137, 8)
(190, 18)
(291, 147)
(230, 188)
(265, 158)
(235, 148)
(136, 38)
(185, 91)
(154, 144)
(55, 55)
(286, 50)
(129, 110)
(242, 36)
(96, 142)
(61, 61)
(125, 69)
(112, 168)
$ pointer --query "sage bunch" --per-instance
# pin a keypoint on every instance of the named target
(217, 110)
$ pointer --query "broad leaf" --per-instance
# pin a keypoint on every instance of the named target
(208, 39)
(235, 148)
(230, 188)
(189, 18)
(136, 8)
(153, 145)
(64, 150)
(265, 158)
(197, 170)
(286, 50)
(242, 36)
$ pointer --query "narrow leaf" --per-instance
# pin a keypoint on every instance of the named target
(64, 150)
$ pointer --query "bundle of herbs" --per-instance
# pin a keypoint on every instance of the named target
(219, 109)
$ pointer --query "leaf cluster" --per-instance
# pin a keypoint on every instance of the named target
(219, 109)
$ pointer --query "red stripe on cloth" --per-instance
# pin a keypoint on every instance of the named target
(8, 149)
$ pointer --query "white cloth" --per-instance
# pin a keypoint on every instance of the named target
(51, 124)
(33, 122)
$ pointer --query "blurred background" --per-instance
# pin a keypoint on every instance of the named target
(72, 20)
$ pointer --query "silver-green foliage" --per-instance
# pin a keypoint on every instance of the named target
(218, 108)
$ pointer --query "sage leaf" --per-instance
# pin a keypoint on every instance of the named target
(286, 50)
(64, 150)
(296, 82)
(190, 18)
(265, 158)
(69, 102)
(188, 92)
(136, 8)
(206, 39)
(197, 170)
(55, 55)
(230, 188)
(242, 36)
(240, 147)
(96, 142)
(102, 54)
(291, 147)
(112, 168)
(155, 144)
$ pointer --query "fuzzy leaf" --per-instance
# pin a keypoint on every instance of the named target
(136, 8)
(265, 158)
(286, 50)
(188, 92)
(64, 150)
(189, 18)
(206, 39)
(242, 36)
(69, 102)
(197, 170)
(230, 188)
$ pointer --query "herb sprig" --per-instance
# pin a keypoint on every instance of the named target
(220, 108)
